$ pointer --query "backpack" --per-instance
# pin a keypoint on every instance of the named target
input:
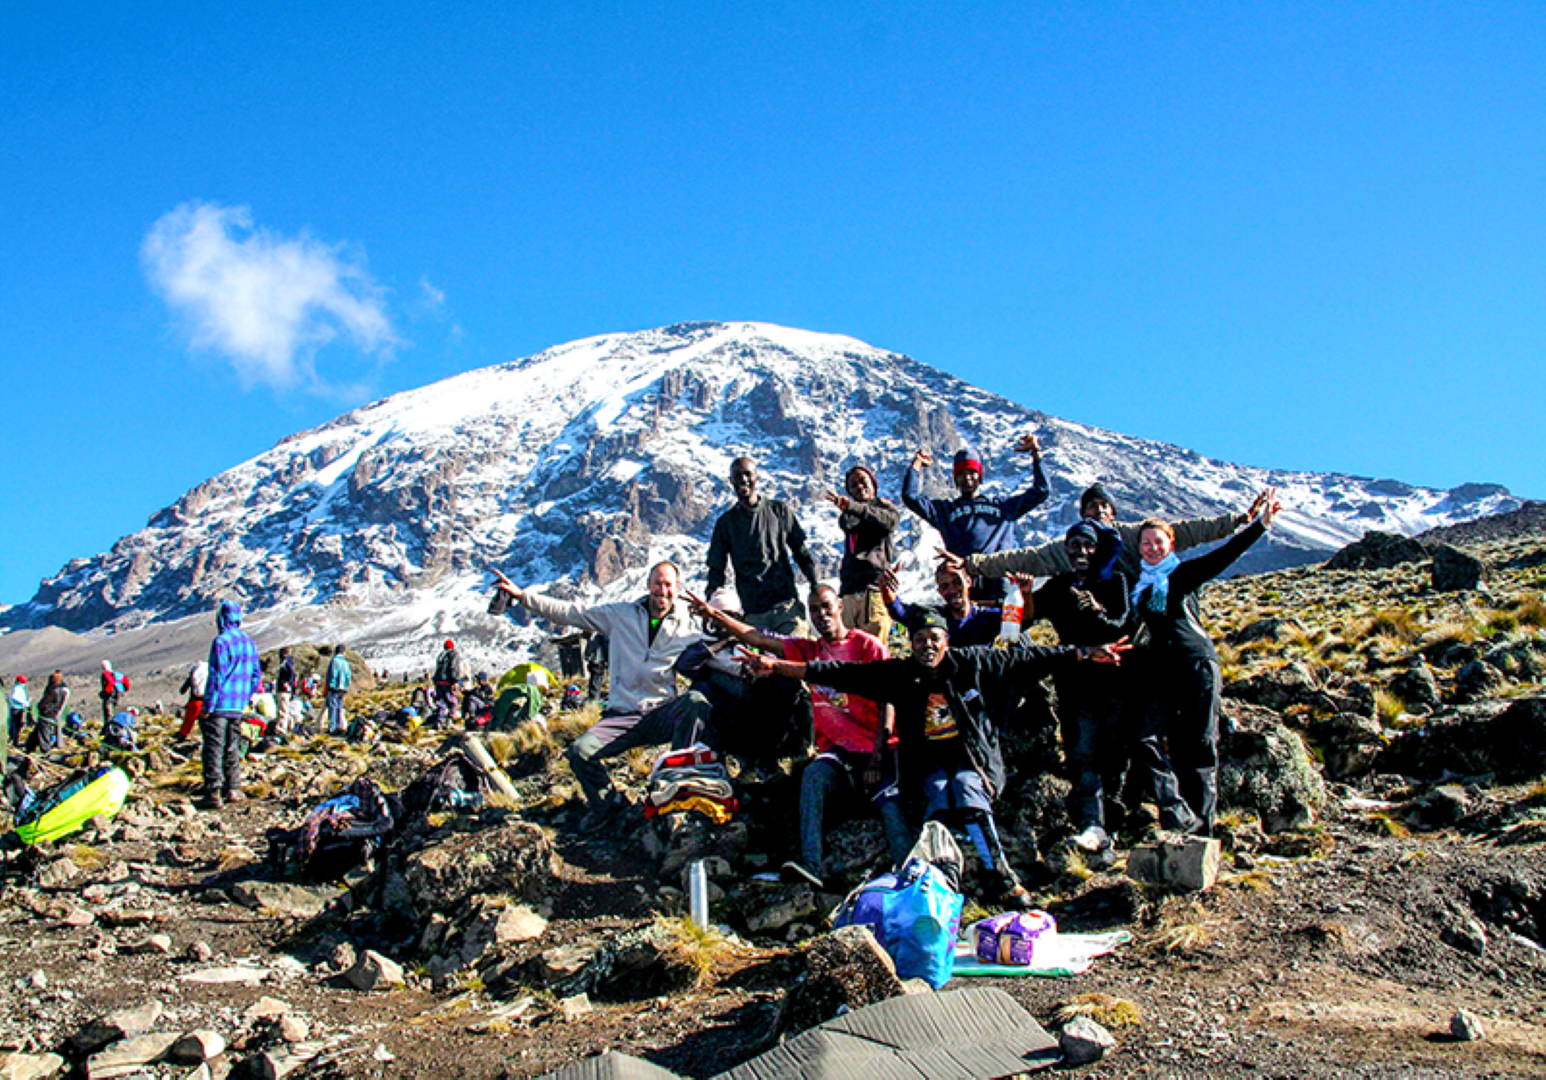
(339, 834)
(65, 808)
(119, 733)
(120, 682)
(445, 667)
(454, 783)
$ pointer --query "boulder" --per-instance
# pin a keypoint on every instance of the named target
(1264, 768)
(1291, 684)
(1416, 686)
(1378, 551)
(1477, 681)
(846, 970)
(1350, 744)
(514, 857)
(1508, 742)
(1188, 865)
(1268, 629)
(1455, 571)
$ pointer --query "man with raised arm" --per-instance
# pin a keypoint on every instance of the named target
(1095, 505)
(974, 523)
(644, 707)
(950, 765)
(851, 731)
(763, 541)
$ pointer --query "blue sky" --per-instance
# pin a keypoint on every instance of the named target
(1299, 236)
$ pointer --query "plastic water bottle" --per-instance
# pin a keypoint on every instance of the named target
(1014, 614)
(698, 893)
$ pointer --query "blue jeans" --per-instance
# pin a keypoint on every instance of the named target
(823, 778)
(335, 711)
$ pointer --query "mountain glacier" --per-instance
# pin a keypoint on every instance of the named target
(588, 462)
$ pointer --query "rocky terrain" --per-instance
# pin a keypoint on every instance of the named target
(1384, 814)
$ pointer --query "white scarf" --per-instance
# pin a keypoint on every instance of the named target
(1156, 579)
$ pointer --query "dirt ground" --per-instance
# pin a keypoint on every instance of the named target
(1331, 963)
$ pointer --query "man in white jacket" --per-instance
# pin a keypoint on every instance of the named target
(644, 708)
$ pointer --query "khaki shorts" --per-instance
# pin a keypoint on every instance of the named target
(867, 611)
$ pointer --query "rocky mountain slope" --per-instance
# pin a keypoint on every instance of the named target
(587, 462)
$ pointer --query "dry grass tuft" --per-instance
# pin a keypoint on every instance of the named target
(1106, 1010)
(700, 950)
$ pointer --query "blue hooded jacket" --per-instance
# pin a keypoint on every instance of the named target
(234, 668)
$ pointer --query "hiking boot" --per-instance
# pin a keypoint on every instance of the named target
(211, 801)
(601, 815)
(235, 795)
(1179, 819)
(795, 873)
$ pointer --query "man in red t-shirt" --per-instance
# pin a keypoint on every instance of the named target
(852, 732)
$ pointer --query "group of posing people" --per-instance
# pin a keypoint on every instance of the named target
(1136, 675)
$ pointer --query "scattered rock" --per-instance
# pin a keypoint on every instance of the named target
(1350, 744)
(1444, 805)
(1084, 1041)
(292, 1029)
(283, 898)
(375, 972)
(37, 980)
(1465, 933)
(1188, 865)
(130, 1055)
(116, 1025)
(1455, 571)
(58, 873)
(343, 957)
(1466, 1026)
(154, 944)
(29, 1066)
(249, 976)
(1478, 680)
(197, 1047)
(199, 952)
(769, 908)
(575, 1008)
(266, 1008)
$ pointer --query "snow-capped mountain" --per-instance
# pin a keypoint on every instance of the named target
(588, 462)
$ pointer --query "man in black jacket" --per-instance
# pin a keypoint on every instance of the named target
(949, 761)
(760, 538)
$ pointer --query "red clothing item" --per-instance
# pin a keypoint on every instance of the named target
(842, 720)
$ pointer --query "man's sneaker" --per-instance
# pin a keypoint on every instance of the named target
(796, 874)
(1091, 840)
(1015, 897)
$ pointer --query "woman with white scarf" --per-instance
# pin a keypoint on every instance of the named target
(1175, 672)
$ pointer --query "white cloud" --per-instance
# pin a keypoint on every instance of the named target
(264, 302)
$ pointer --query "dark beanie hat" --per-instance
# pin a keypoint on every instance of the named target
(1092, 493)
(1082, 528)
(925, 619)
(966, 459)
(866, 470)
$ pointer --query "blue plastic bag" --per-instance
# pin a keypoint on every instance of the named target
(916, 918)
